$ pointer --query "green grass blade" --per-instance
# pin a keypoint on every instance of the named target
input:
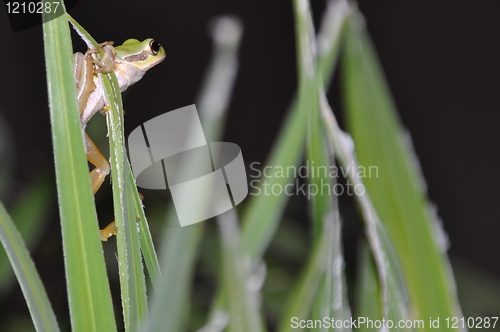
(29, 213)
(237, 272)
(36, 297)
(317, 284)
(321, 287)
(330, 38)
(132, 279)
(88, 288)
(320, 152)
(263, 213)
(331, 295)
(170, 305)
(397, 193)
(242, 301)
(147, 246)
(129, 213)
(367, 291)
(393, 299)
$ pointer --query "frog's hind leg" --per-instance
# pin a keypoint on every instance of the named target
(95, 156)
(84, 75)
(97, 177)
(108, 231)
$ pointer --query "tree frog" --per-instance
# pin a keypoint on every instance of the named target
(130, 62)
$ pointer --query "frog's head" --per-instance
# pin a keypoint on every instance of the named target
(134, 58)
(143, 55)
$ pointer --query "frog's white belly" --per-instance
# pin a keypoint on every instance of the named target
(95, 103)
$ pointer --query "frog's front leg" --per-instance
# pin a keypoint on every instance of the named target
(107, 62)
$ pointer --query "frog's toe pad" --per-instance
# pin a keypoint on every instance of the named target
(108, 231)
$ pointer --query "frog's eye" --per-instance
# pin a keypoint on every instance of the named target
(154, 47)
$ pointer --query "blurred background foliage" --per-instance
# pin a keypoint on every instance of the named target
(440, 64)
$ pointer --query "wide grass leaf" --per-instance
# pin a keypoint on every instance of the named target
(88, 288)
(397, 191)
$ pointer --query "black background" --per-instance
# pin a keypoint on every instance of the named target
(440, 58)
